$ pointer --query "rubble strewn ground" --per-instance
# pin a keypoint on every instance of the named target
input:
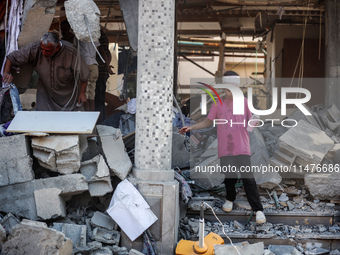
(60, 187)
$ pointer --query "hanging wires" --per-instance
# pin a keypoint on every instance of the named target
(301, 54)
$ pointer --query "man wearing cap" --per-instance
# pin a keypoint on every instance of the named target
(233, 147)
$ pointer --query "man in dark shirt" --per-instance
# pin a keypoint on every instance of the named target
(62, 73)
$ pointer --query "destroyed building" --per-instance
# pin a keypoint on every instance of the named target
(70, 184)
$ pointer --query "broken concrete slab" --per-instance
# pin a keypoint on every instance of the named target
(9, 222)
(49, 203)
(45, 240)
(77, 233)
(58, 153)
(283, 250)
(135, 252)
(15, 161)
(180, 156)
(75, 12)
(331, 118)
(19, 198)
(323, 186)
(206, 175)
(37, 23)
(111, 141)
(97, 175)
(34, 223)
(211, 150)
(243, 248)
(298, 115)
(302, 145)
(102, 220)
(106, 236)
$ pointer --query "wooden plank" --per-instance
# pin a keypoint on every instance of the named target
(54, 122)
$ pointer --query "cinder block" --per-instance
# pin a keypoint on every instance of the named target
(102, 220)
(58, 153)
(26, 239)
(15, 161)
(77, 233)
(49, 203)
(97, 175)
(19, 198)
(111, 141)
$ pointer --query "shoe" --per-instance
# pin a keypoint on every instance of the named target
(227, 206)
(260, 218)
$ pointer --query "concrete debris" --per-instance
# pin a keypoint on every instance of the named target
(77, 233)
(331, 118)
(3, 236)
(102, 220)
(15, 161)
(111, 140)
(323, 186)
(195, 203)
(135, 252)
(49, 203)
(180, 156)
(317, 251)
(97, 175)
(76, 10)
(37, 20)
(284, 250)
(298, 116)
(34, 223)
(59, 153)
(243, 248)
(26, 239)
(24, 204)
(106, 236)
(204, 176)
(303, 145)
(9, 222)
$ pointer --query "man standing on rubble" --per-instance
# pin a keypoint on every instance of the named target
(233, 147)
(62, 73)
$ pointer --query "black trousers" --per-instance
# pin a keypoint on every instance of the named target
(99, 99)
(248, 180)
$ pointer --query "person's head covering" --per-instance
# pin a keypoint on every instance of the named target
(231, 77)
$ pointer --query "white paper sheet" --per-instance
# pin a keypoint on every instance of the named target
(130, 211)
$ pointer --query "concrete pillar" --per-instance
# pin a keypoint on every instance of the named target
(154, 90)
(332, 58)
(153, 146)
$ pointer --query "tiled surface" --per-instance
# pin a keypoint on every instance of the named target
(154, 84)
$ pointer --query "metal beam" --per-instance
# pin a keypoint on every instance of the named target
(181, 55)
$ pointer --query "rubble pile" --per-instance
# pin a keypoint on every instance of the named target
(189, 230)
(310, 151)
(54, 191)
